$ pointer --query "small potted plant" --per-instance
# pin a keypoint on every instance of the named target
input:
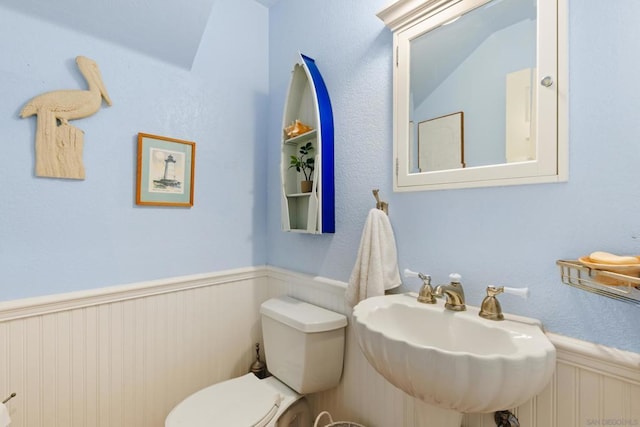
(304, 163)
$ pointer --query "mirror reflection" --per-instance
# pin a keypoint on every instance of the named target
(472, 89)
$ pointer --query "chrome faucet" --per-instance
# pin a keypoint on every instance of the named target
(453, 292)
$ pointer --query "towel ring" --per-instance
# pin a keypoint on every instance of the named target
(383, 206)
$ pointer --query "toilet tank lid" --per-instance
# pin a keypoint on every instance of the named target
(303, 316)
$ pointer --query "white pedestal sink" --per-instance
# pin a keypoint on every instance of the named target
(455, 361)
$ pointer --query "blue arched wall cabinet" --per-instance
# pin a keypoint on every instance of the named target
(308, 102)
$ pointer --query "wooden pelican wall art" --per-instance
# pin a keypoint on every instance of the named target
(58, 144)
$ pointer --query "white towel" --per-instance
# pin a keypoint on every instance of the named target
(5, 420)
(376, 268)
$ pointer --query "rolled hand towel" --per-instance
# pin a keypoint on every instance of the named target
(376, 267)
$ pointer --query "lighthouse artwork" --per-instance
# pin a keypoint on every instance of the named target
(168, 171)
(165, 171)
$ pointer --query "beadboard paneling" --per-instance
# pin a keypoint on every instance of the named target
(126, 355)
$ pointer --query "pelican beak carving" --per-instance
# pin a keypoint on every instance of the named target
(93, 76)
(91, 73)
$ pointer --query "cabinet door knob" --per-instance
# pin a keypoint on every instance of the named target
(547, 81)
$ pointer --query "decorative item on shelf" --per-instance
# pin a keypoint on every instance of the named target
(165, 171)
(306, 186)
(58, 145)
(304, 163)
(296, 128)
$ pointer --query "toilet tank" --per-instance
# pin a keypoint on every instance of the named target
(303, 343)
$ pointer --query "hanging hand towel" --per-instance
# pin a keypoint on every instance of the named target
(5, 420)
(376, 268)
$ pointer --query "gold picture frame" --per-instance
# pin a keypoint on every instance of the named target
(166, 169)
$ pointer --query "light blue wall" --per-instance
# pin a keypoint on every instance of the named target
(493, 236)
(63, 235)
(58, 235)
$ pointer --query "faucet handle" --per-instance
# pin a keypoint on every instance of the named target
(426, 291)
(455, 278)
(423, 277)
(521, 292)
(490, 307)
(410, 273)
(425, 294)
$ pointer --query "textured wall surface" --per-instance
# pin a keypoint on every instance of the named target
(493, 236)
(59, 235)
(63, 235)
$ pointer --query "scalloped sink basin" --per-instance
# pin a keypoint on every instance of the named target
(454, 360)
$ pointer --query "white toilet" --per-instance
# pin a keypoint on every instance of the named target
(304, 348)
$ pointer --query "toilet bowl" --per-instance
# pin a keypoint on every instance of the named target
(304, 348)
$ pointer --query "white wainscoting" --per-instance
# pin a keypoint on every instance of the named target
(124, 356)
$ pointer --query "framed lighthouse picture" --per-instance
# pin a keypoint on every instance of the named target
(165, 171)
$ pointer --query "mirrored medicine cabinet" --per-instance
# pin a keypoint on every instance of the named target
(479, 92)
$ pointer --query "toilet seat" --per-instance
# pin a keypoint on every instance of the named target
(242, 401)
